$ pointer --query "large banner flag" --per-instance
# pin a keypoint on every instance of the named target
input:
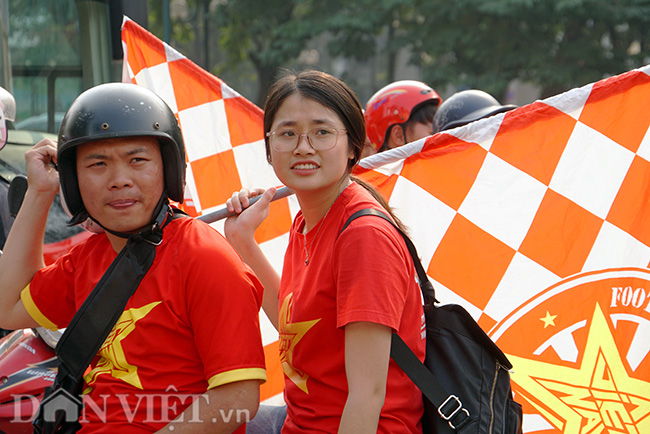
(538, 222)
(223, 135)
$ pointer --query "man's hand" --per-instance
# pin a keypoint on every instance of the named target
(41, 167)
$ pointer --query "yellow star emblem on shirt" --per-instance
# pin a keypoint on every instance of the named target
(112, 358)
(598, 397)
(289, 336)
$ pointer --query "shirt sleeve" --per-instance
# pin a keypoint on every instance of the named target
(49, 297)
(224, 298)
(372, 281)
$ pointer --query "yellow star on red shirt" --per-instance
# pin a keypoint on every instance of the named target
(113, 360)
(290, 335)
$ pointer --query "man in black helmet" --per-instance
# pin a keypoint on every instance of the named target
(185, 354)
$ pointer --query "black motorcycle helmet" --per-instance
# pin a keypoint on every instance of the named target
(118, 110)
(467, 106)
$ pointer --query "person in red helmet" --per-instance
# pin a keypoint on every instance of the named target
(408, 104)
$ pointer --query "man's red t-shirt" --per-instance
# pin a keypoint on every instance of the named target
(192, 325)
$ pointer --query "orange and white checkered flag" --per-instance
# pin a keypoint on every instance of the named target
(537, 222)
(534, 220)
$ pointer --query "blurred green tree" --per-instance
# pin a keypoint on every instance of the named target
(485, 44)
(556, 45)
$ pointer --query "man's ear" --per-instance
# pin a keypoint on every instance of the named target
(396, 137)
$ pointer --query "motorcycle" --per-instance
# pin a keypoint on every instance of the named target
(28, 365)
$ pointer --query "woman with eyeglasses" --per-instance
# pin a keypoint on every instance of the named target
(341, 293)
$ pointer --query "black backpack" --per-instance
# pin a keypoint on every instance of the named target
(465, 376)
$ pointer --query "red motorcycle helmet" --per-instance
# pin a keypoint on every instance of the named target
(393, 105)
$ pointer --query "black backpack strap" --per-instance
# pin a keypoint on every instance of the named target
(449, 406)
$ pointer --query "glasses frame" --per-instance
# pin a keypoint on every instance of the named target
(338, 131)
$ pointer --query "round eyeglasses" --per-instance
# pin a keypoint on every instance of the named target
(320, 138)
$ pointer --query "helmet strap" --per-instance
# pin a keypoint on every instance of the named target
(153, 232)
(79, 218)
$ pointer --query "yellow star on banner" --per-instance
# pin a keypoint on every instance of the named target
(598, 397)
(113, 361)
(289, 336)
(548, 319)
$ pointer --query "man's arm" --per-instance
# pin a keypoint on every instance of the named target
(220, 410)
(23, 253)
